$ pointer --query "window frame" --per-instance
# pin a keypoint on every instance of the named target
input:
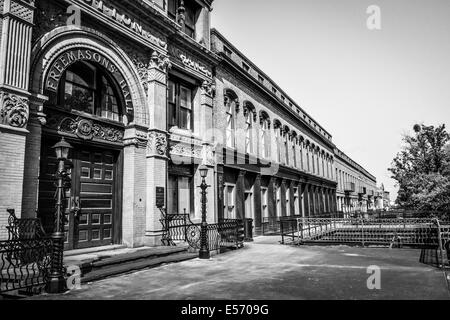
(98, 93)
(178, 83)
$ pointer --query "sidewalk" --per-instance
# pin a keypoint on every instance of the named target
(265, 269)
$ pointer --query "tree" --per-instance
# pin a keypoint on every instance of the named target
(422, 170)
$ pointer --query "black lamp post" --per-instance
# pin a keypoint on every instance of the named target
(56, 283)
(204, 251)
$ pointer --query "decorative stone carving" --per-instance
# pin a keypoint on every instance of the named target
(160, 61)
(142, 69)
(209, 88)
(137, 138)
(14, 110)
(157, 143)
(85, 129)
(48, 17)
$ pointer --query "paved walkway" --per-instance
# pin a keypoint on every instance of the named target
(265, 269)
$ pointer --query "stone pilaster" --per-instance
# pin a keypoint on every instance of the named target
(157, 147)
(240, 195)
(32, 156)
(257, 204)
(283, 198)
(15, 47)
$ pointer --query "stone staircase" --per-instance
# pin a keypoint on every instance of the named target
(106, 263)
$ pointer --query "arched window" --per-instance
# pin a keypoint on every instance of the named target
(231, 106)
(294, 141)
(250, 117)
(308, 149)
(286, 134)
(278, 133)
(86, 88)
(264, 122)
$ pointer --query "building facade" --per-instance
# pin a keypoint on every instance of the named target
(146, 92)
(356, 188)
(273, 158)
(128, 85)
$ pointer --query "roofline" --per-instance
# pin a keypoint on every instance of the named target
(215, 31)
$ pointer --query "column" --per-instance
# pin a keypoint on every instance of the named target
(32, 156)
(15, 48)
(220, 185)
(326, 200)
(257, 204)
(313, 201)
(272, 208)
(305, 198)
(240, 195)
(292, 196)
(300, 198)
(283, 189)
(157, 151)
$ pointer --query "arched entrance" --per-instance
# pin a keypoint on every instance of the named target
(88, 107)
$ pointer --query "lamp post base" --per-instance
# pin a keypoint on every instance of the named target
(204, 254)
(56, 285)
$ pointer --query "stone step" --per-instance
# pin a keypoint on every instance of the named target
(135, 265)
(132, 256)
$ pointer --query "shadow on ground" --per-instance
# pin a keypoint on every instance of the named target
(265, 269)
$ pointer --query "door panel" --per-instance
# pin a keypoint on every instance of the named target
(94, 222)
(93, 187)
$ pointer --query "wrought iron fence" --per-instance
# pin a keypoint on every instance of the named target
(25, 264)
(414, 232)
(227, 233)
(272, 225)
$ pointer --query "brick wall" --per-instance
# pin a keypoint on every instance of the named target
(12, 151)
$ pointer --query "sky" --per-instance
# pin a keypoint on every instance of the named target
(367, 88)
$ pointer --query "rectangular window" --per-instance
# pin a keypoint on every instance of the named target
(229, 202)
(230, 125)
(264, 202)
(278, 194)
(288, 204)
(227, 51)
(190, 14)
(260, 78)
(180, 106)
(283, 98)
(286, 148)
(246, 67)
(179, 195)
(274, 90)
(296, 202)
(248, 133)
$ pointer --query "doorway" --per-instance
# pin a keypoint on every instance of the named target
(92, 203)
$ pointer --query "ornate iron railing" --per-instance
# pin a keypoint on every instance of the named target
(412, 232)
(272, 225)
(227, 233)
(25, 264)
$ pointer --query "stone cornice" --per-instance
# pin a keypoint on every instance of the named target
(227, 62)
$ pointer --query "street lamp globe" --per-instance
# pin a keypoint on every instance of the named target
(62, 149)
(203, 171)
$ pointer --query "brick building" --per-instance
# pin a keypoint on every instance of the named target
(145, 92)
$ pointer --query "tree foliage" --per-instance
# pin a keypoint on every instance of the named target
(422, 170)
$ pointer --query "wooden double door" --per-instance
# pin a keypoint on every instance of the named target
(92, 203)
